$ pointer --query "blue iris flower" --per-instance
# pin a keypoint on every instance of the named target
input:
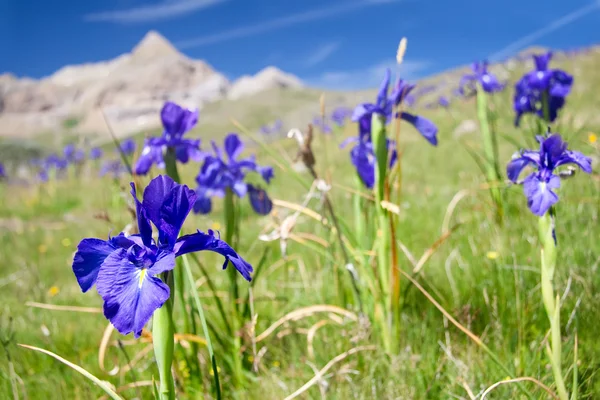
(96, 153)
(541, 85)
(114, 168)
(539, 185)
(486, 79)
(385, 104)
(124, 268)
(176, 121)
(222, 172)
(128, 146)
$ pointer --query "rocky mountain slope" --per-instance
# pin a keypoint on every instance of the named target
(129, 90)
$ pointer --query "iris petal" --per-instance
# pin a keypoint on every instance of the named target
(233, 146)
(130, 294)
(201, 241)
(425, 127)
(177, 120)
(259, 200)
(540, 196)
(90, 255)
(142, 217)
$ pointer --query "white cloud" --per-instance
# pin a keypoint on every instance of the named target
(281, 22)
(321, 53)
(160, 11)
(366, 78)
(551, 27)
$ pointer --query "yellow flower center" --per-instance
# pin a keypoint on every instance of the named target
(143, 273)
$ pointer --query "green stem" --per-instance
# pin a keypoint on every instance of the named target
(171, 169)
(211, 353)
(545, 107)
(163, 333)
(492, 169)
(551, 304)
(379, 137)
(230, 229)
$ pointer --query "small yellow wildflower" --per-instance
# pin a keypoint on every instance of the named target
(53, 291)
(42, 248)
(592, 138)
(66, 242)
(215, 226)
(250, 358)
(211, 372)
(276, 364)
(492, 255)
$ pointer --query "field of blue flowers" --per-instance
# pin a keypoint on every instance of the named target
(435, 241)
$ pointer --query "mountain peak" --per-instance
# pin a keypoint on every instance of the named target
(152, 46)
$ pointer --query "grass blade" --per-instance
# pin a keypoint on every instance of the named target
(211, 353)
(100, 383)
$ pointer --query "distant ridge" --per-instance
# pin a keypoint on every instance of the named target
(130, 89)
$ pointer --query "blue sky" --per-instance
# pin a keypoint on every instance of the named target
(328, 43)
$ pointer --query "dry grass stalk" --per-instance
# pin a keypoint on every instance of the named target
(303, 313)
(327, 367)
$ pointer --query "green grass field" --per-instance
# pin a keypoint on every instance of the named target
(484, 276)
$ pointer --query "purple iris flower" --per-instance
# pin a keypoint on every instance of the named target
(43, 175)
(96, 153)
(340, 115)
(69, 151)
(79, 156)
(176, 122)
(487, 80)
(275, 128)
(542, 84)
(56, 162)
(219, 173)
(2, 171)
(277, 125)
(364, 159)
(385, 104)
(321, 124)
(128, 146)
(124, 268)
(444, 101)
(113, 167)
(539, 185)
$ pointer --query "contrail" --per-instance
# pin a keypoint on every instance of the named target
(553, 26)
(281, 22)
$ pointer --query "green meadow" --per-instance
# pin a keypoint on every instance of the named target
(475, 319)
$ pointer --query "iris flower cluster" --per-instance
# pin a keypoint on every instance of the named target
(539, 186)
(176, 121)
(73, 155)
(542, 91)
(340, 114)
(488, 81)
(51, 164)
(124, 268)
(275, 128)
(362, 154)
(114, 168)
(226, 171)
